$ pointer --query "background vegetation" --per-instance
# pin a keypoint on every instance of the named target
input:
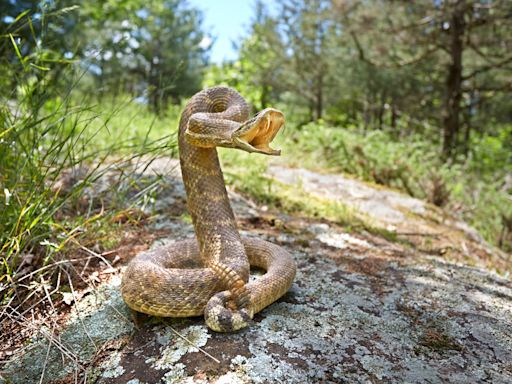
(415, 95)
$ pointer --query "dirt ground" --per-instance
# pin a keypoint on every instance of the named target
(362, 308)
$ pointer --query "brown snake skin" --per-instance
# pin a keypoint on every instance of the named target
(210, 275)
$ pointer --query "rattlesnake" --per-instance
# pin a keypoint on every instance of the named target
(210, 275)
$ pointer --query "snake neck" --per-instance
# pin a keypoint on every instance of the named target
(207, 198)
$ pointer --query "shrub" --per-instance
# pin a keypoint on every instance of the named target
(474, 187)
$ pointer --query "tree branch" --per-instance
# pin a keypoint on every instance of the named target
(507, 87)
(398, 64)
(486, 68)
(360, 50)
(479, 52)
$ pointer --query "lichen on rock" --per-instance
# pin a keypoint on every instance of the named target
(361, 309)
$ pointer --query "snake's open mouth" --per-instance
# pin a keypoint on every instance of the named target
(256, 134)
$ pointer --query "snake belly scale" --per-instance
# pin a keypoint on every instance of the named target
(210, 274)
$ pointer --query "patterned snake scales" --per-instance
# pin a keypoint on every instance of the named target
(210, 275)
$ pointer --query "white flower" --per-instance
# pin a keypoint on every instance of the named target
(8, 195)
(49, 244)
(67, 297)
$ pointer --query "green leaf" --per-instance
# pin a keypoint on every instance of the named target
(16, 49)
(20, 16)
(39, 67)
(2, 134)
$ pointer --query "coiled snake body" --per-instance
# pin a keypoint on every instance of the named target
(210, 275)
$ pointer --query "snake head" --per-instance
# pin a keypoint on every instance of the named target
(256, 134)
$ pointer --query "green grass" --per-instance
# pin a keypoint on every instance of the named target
(474, 188)
(44, 221)
(56, 142)
(52, 157)
(246, 173)
(131, 126)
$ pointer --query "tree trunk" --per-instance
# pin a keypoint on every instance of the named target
(265, 90)
(319, 101)
(366, 113)
(381, 109)
(380, 117)
(451, 122)
(153, 89)
(394, 118)
(467, 126)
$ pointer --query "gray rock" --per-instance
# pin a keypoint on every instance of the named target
(380, 204)
(360, 310)
(421, 321)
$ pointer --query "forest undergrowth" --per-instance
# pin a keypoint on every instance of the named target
(52, 155)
